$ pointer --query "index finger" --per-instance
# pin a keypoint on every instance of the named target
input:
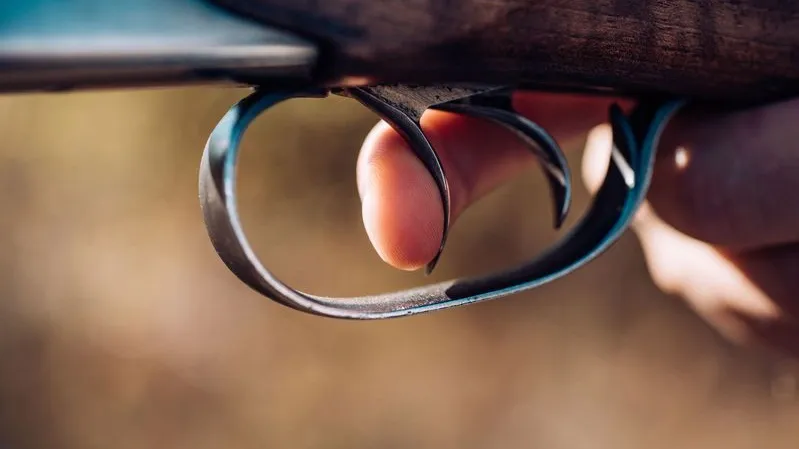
(402, 211)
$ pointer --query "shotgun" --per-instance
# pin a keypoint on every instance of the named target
(400, 58)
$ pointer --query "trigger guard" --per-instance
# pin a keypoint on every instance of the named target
(609, 216)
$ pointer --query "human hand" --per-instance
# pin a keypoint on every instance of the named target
(720, 228)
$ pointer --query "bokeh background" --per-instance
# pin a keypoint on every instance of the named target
(122, 329)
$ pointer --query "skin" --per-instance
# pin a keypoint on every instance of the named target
(720, 228)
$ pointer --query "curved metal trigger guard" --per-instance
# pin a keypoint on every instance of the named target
(622, 192)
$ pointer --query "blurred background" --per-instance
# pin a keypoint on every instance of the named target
(121, 328)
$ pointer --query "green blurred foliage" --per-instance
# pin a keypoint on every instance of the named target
(122, 329)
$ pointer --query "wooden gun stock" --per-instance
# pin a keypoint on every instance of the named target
(720, 50)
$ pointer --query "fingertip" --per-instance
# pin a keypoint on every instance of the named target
(376, 139)
(401, 206)
(596, 157)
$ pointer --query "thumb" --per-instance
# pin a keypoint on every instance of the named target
(679, 264)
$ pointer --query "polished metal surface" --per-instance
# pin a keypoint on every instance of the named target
(629, 171)
(70, 44)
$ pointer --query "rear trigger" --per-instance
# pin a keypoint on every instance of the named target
(497, 106)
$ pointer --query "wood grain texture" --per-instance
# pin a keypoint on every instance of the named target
(745, 50)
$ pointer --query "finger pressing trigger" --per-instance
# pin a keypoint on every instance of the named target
(401, 206)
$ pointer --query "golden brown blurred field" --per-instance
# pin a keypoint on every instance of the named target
(121, 328)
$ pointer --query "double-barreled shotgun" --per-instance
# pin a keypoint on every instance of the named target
(402, 57)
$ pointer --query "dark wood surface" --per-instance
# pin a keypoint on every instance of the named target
(715, 49)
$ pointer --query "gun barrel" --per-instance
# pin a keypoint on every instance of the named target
(54, 45)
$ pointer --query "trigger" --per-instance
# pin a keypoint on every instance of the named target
(497, 107)
(404, 117)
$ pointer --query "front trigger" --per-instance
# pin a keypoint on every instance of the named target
(402, 107)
